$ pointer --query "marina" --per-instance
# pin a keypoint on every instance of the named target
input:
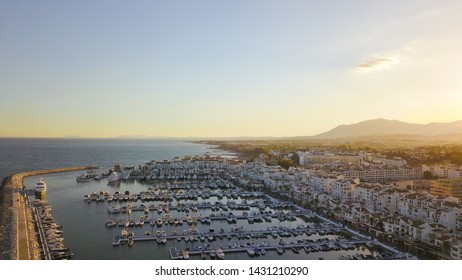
(217, 218)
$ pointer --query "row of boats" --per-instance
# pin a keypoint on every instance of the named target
(161, 176)
(238, 233)
(51, 232)
(194, 206)
(111, 177)
(129, 172)
(213, 253)
(254, 250)
(254, 217)
(103, 196)
(187, 207)
(212, 184)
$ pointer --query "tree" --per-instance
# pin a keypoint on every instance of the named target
(285, 163)
(295, 158)
(427, 175)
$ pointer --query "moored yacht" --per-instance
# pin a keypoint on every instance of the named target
(85, 178)
(250, 252)
(220, 254)
(280, 250)
(40, 187)
(186, 254)
(114, 177)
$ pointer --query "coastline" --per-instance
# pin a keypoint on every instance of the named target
(226, 147)
(19, 240)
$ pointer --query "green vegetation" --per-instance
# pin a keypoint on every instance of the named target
(276, 151)
(285, 163)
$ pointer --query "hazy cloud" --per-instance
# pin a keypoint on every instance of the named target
(376, 63)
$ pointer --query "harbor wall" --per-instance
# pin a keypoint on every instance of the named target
(17, 231)
(7, 227)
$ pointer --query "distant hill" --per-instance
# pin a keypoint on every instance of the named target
(383, 127)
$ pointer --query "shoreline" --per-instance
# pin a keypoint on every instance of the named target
(20, 240)
(222, 145)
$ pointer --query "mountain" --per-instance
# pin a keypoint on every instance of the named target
(383, 127)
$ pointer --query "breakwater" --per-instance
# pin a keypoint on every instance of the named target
(19, 228)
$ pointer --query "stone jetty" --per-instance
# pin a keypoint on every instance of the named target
(20, 228)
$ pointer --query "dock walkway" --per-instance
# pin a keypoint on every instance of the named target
(176, 254)
(118, 240)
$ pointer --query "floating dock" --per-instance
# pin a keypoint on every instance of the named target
(118, 239)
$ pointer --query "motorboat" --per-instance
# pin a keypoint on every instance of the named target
(85, 178)
(114, 209)
(111, 223)
(280, 250)
(125, 175)
(40, 187)
(257, 251)
(164, 237)
(220, 254)
(186, 254)
(213, 254)
(250, 252)
(114, 177)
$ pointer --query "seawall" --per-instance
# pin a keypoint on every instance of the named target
(20, 239)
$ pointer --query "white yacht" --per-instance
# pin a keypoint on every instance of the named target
(186, 254)
(250, 252)
(85, 178)
(220, 254)
(125, 174)
(40, 187)
(113, 177)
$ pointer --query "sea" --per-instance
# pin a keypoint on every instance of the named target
(84, 223)
(26, 154)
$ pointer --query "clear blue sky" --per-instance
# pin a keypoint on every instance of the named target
(225, 68)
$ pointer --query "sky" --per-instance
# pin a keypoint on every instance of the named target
(216, 68)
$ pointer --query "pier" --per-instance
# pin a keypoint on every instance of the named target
(43, 240)
(176, 254)
(239, 234)
(194, 207)
(258, 217)
(307, 245)
(26, 245)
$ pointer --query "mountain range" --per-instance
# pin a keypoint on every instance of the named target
(383, 127)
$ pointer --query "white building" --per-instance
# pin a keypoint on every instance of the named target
(343, 189)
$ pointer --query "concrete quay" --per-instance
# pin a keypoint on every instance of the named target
(26, 245)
